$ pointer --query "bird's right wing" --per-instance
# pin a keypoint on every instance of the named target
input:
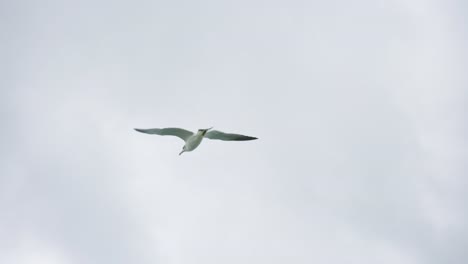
(170, 131)
(215, 134)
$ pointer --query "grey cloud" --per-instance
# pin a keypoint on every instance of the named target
(356, 162)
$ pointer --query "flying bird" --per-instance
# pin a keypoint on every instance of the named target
(193, 140)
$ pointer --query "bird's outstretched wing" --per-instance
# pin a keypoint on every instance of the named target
(170, 131)
(215, 134)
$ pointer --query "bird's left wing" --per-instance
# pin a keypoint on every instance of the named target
(170, 131)
(215, 134)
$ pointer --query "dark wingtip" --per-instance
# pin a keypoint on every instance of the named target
(245, 138)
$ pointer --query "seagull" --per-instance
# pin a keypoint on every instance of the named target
(192, 140)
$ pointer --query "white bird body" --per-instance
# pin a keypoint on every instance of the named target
(193, 140)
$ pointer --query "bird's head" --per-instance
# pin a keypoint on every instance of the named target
(203, 131)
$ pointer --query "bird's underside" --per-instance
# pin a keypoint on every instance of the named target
(192, 140)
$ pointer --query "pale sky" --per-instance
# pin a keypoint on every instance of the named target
(359, 106)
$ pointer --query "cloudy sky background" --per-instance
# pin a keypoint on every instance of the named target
(360, 107)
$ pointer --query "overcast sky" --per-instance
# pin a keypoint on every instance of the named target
(360, 107)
